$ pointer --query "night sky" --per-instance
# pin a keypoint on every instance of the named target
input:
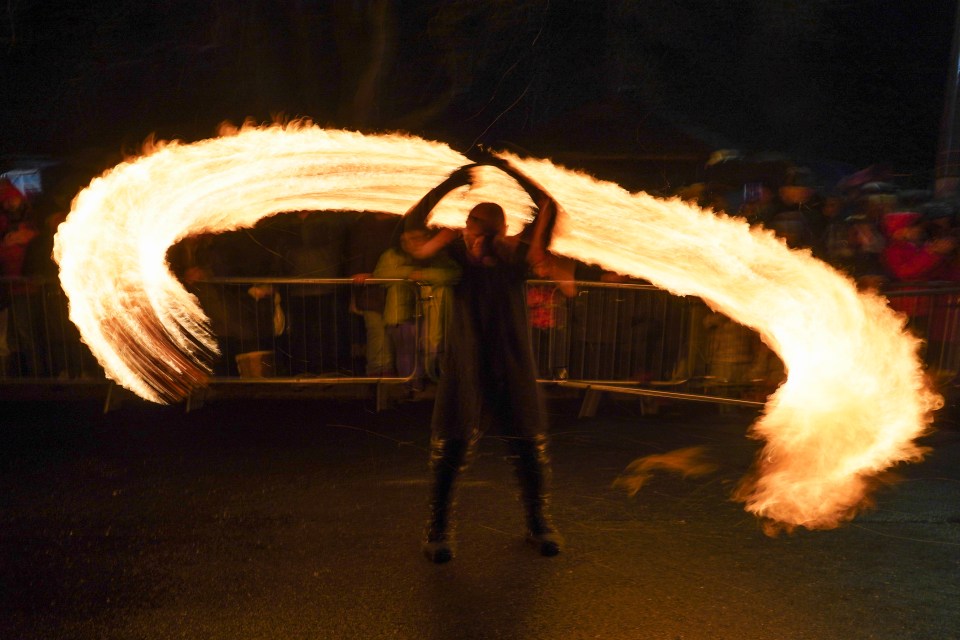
(852, 82)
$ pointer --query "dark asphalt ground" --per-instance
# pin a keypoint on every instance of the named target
(297, 518)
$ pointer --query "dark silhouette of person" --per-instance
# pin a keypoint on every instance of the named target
(489, 372)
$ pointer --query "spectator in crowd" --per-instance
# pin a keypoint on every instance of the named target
(760, 203)
(489, 373)
(317, 340)
(868, 240)
(548, 317)
(17, 230)
(10, 202)
(368, 237)
(832, 235)
(911, 255)
(799, 209)
(731, 350)
(400, 308)
(943, 330)
(436, 302)
(243, 317)
(940, 217)
(601, 324)
(13, 205)
(44, 330)
(707, 195)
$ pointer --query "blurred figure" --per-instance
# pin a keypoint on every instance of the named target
(705, 195)
(46, 332)
(19, 292)
(731, 350)
(760, 203)
(832, 241)
(367, 238)
(316, 333)
(911, 255)
(548, 317)
(940, 221)
(400, 308)
(943, 330)
(867, 240)
(799, 208)
(13, 205)
(243, 318)
(602, 321)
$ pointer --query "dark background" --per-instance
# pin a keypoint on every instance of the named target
(852, 82)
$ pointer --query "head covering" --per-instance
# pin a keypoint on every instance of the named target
(8, 192)
(893, 222)
(489, 217)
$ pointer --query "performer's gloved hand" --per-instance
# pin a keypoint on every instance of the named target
(483, 156)
(459, 178)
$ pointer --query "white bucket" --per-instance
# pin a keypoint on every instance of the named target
(255, 364)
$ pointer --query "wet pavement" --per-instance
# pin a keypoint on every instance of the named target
(300, 518)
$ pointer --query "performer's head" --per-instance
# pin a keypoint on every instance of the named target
(485, 222)
(487, 219)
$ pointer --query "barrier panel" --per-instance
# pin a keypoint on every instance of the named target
(38, 343)
(933, 313)
(638, 339)
(620, 338)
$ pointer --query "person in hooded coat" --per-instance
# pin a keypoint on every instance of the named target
(489, 374)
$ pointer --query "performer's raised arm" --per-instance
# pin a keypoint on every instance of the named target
(541, 230)
(416, 216)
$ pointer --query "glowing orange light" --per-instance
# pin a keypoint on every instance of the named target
(854, 400)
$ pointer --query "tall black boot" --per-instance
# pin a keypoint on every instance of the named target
(533, 472)
(447, 460)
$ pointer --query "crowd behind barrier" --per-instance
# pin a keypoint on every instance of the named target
(337, 296)
(619, 337)
(864, 224)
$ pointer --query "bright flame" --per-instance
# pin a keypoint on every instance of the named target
(854, 400)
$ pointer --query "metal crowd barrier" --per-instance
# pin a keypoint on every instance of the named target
(324, 333)
(321, 332)
(640, 340)
(933, 312)
(38, 343)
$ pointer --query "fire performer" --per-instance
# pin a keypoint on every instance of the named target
(488, 374)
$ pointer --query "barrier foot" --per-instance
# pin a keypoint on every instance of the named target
(380, 393)
(195, 400)
(649, 406)
(114, 398)
(591, 399)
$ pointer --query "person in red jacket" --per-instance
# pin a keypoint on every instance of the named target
(912, 255)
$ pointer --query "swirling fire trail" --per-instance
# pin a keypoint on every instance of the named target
(854, 401)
